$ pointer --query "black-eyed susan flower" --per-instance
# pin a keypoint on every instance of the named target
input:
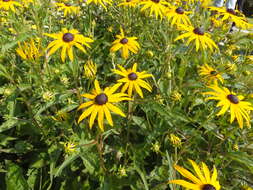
(125, 44)
(157, 7)
(230, 101)
(129, 3)
(133, 80)
(9, 5)
(100, 2)
(101, 103)
(177, 16)
(26, 3)
(67, 8)
(210, 74)
(202, 180)
(67, 39)
(231, 15)
(30, 50)
(90, 69)
(175, 140)
(201, 39)
(70, 147)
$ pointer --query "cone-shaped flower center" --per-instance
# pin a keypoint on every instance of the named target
(128, 1)
(180, 10)
(124, 40)
(208, 187)
(233, 98)
(213, 72)
(156, 1)
(231, 11)
(6, 0)
(68, 37)
(199, 31)
(132, 76)
(101, 99)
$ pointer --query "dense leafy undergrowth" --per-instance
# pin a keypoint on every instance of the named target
(119, 94)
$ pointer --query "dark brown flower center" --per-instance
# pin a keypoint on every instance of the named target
(101, 99)
(233, 98)
(231, 11)
(208, 187)
(199, 31)
(6, 0)
(156, 1)
(180, 10)
(124, 40)
(213, 72)
(67, 4)
(68, 37)
(128, 1)
(132, 76)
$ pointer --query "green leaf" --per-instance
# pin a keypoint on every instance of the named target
(8, 125)
(14, 178)
(67, 161)
(143, 176)
(243, 158)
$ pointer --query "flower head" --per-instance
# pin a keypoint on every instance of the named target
(231, 15)
(30, 50)
(202, 180)
(202, 39)
(175, 140)
(210, 74)
(230, 101)
(126, 44)
(177, 16)
(90, 69)
(101, 103)
(130, 3)
(9, 5)
(67, 8)
(70, 147)
(101, 2)
(67, 39)
(157, 7)
(133, 80)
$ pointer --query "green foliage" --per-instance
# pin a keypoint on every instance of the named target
(39, 100)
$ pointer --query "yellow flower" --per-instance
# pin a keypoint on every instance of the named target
(175, 140)
(60, 116)
(101, 2)
(26, 3)
(177, 16)
(90, 69)
(130, 3)
(228, 100)
(156, 147)
(201, 38)
(67, 39)
(68, 8)
(231, 15)
(69, 147)
(126, 44)
(203, 180)
(9, 4)
(210, 74)
(205, 3)
(30, 50)
(133, 80)
(158, 7)
(101, 103)
(176, 96)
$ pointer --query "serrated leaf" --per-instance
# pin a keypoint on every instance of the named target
(14, 178)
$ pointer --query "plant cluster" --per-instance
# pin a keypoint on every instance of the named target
(125, 95)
